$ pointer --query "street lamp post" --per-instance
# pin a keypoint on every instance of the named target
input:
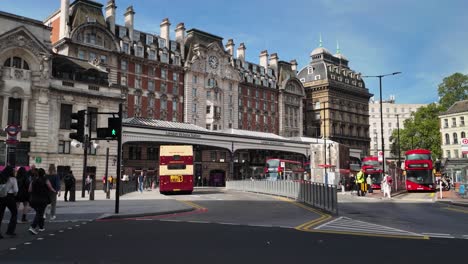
(398, 133)
(381, 113)
(324, 145)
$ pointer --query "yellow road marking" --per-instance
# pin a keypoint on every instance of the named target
(192, 204)
(432, 194)
(323, 217)
(456, 209)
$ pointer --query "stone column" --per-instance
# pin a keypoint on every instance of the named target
(25, 114)
(5, 110)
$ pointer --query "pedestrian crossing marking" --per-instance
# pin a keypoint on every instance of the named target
(351, 226)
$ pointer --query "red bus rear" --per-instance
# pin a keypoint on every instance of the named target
(373, 167)
(176, 169)
(281, 169)
(418, 170)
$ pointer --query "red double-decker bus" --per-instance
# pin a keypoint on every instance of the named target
(371, 166)
(281, 169)
(176, 169)
(418, 170)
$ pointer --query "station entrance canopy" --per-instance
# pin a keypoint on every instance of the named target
(151, 130)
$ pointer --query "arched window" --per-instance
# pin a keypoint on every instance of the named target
(447, 139)
(455, 138)
(463, 135)
(16, 62)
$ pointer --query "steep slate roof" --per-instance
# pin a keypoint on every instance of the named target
(457, 107)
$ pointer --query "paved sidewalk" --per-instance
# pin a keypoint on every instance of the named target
(131, 204)
(451, 197)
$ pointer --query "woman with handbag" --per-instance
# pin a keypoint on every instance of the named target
(40, 189)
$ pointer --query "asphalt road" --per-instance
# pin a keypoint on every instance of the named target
(414, 212)
(130, 241)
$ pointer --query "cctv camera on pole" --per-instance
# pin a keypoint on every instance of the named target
(75, 143)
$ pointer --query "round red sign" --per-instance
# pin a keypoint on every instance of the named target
(13, 130)
(465, 141)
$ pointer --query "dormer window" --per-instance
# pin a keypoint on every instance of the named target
(149, 40)
(317, 77)
(270, 72)
(246, 66)
(139, 51)
(136, 36)
(310, 70)
(125, 48)
(152, 54)
(262, 70)
(173, 45)
(254, 68)
(162, 43)
(122, 32)
(164, 57)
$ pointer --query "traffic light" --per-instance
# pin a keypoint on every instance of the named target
(78, 126)
(114, 127)
(112, 131)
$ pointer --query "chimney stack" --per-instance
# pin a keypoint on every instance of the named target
(110, 15)
(165, 30)
(241, 52)
(129, 17)
(264, 59)
(274, 63)
(180, 37)
(294, 66)
(64, 16)
(230, 47)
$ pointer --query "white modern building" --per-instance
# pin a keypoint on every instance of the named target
(391, 113)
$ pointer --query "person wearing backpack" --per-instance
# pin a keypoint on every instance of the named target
(23, 193)
(40, 189)
(8, 191)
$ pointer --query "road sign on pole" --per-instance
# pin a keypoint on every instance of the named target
(464, 145)
(380, 156)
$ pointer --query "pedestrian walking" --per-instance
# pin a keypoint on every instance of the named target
(369, 184)
(386, 186)
(141, 179)
(54, 180)
(110, 181)
(104, 183)
(8, 191)
(69, 181)
(88, 182)
(22, 198)
(39, 188)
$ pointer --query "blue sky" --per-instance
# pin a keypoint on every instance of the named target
(425, 40)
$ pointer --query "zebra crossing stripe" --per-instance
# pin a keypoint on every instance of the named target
(346, 224)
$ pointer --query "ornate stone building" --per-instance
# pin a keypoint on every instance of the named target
(147, 67)
(40, 90)
(337, 101)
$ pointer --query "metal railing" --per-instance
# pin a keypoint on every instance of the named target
(128, 186)
(318, 195)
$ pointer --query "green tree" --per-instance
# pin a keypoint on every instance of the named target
(421, 130)
(452, 89)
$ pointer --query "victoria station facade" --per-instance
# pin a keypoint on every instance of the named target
(195, 89)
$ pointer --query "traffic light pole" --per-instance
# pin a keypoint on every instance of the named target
(119, 153)
(85, 164)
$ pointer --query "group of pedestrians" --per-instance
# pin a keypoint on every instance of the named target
(34, 188)
(363, 185)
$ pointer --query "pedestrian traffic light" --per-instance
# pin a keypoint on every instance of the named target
(114, 127)
(78, 126)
